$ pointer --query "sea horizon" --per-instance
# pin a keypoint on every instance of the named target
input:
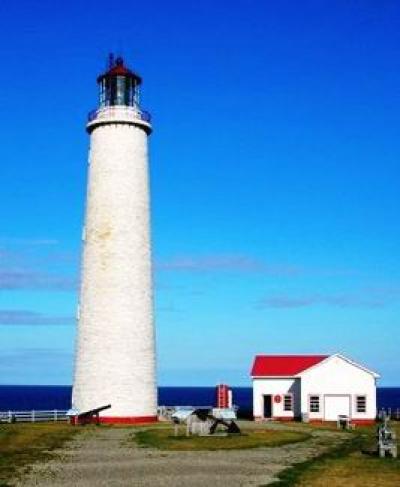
(16, 397)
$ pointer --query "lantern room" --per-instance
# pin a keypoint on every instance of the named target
(119, 86)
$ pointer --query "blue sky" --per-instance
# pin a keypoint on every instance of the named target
(274, 179)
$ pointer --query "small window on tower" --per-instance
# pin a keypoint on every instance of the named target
(361, 404)
(288, 402)
(314, 404)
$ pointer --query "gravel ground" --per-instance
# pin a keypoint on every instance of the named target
(107, 457)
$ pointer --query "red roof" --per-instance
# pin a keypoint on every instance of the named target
(118, 68)
(283, 365)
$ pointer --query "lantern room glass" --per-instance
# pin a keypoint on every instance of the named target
(118, 90)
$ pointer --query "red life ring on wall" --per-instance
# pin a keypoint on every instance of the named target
(277, 398)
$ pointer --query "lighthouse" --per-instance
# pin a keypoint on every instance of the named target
(115, 346)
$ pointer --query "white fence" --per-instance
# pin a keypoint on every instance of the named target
(33, 416)
(391, 413)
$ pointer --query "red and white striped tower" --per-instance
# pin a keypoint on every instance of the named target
(115, 352)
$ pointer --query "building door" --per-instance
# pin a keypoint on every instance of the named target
(335, 406)
(268, 406)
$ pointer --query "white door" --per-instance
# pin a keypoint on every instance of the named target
(335, 405)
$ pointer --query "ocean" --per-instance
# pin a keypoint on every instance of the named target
(25, 398)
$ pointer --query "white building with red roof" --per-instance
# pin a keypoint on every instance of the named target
(313, 388)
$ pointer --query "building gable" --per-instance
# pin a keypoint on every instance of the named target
(337, 358)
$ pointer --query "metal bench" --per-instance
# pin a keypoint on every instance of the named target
(344, 422)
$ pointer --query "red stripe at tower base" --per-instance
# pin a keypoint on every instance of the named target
(127, 419)
(115, 420)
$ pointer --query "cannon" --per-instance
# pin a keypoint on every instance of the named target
(86, 417)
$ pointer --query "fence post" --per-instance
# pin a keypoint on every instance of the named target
(33, 416)
(55, 415)
(9, 417)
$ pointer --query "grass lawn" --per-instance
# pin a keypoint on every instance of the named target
(164, 439)
(353, 466)
(24, 443)
(356, 470)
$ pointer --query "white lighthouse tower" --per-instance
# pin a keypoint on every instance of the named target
(115, 353)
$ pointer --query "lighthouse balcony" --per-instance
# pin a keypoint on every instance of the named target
(119, 114)
(118, 111)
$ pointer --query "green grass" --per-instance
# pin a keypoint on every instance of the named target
(24, 443)
(355, 470)
(164, 439)
(353, 464)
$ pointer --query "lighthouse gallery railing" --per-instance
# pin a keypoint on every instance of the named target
(138, 113)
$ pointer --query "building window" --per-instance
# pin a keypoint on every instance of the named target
(361, 404)
(314, 404)
(288, 402)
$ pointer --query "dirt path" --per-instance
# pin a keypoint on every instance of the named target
(108, 457)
